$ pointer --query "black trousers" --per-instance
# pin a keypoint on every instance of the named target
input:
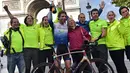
(101, 52)
(118, 59)
(44, 56)
(77, 57)
(127, 50)
(30, 55)
(76, 60)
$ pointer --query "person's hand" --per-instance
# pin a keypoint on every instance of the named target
(59, 5)
(102, 5)
(93, 40)
(52, 3)
(5, 7)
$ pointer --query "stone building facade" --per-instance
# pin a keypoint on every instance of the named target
(20, 8)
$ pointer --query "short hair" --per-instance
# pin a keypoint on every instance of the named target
(68, 22)
(80, 14)
(122, 7)
(94, 10)
(11, 21)
(61, 12)
(25, 20)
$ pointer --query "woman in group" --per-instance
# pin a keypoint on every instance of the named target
(31, 46)
(125, 28)
(76, 36)
(46, 41)
(115, 43)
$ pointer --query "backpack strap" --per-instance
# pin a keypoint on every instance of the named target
(84, 37)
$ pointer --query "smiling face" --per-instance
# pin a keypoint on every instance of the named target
(62, 18)
(94, 15)
(15, 23)
(45, 21)
(71, 23)
(124, 12)
(111, 16)
(81, 18)
(29, 20)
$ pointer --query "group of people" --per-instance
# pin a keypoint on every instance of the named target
(31, 42)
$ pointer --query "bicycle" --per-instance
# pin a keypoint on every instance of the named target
(94, 65)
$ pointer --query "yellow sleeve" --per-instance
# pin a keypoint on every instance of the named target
(58, 10)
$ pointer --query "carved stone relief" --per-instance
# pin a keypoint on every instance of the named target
(13, 5)
(26, 2)
(70, 2)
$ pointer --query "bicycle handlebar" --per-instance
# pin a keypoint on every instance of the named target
(87, 43)
(95, 43)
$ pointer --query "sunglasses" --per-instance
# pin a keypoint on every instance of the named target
(82, 17)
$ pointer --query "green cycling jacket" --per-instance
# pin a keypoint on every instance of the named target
(16, 40)
(124, 29)
(114, 40)
(45, 37)
(30, 36)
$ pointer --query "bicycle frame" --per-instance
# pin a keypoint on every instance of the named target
(85, 65)
(85, 58)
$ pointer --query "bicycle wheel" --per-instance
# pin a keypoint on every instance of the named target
(96, 66)
(45, 68)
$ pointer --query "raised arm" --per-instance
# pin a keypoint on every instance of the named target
(102, 5)
(8, 12)
(56, 9)
(49, 15)
(59, 8)
(51, 10)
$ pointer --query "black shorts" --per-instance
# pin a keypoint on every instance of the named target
(61, 49)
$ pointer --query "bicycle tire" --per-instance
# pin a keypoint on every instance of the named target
(49, 70)
(102, 67)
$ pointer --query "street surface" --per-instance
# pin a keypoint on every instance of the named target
(4, 62)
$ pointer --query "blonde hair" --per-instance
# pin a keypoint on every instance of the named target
(68, 21)
(41, 24)
(111, 12)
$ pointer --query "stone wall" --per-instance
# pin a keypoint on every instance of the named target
(19, 8)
